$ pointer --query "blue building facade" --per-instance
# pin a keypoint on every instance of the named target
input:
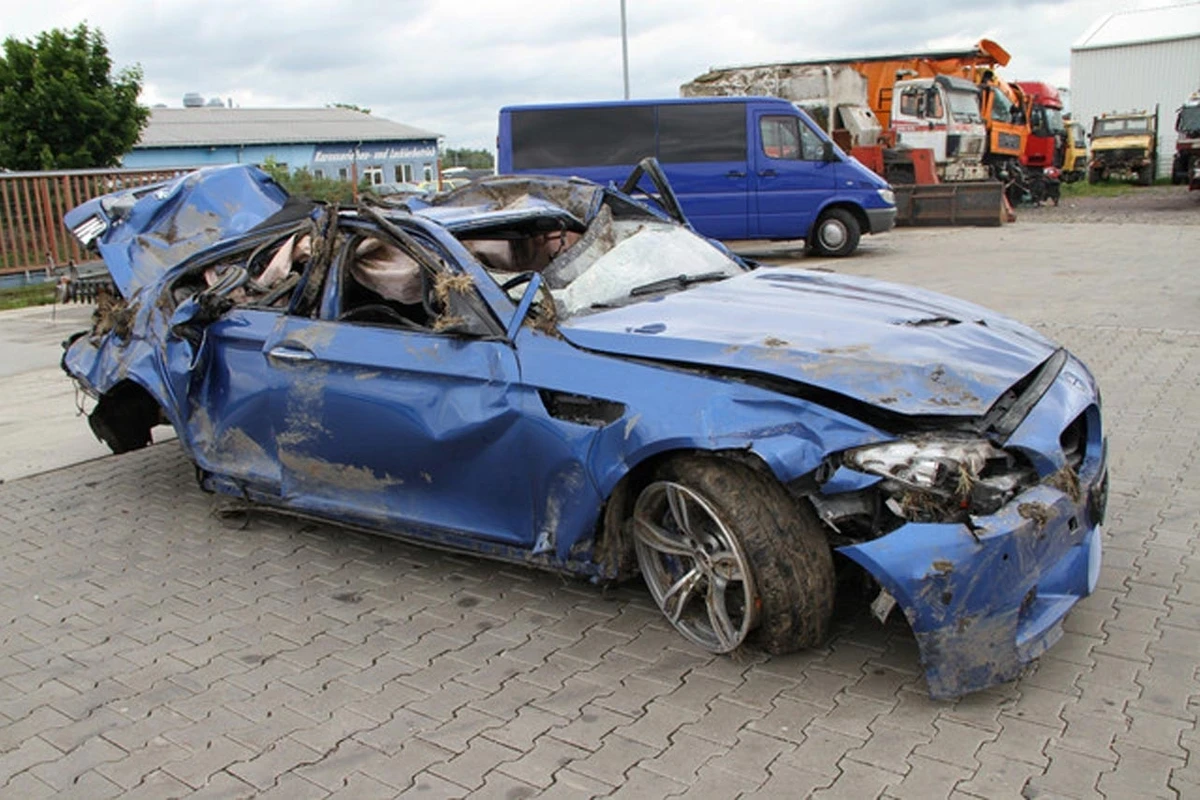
(328, 142)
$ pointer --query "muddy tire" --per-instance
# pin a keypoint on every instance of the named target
(836, 233)
(732, 559)
(124, 418)
(1145, 175)
(1094, 175)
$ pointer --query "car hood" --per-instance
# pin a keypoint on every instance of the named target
(902, 349)
(144, 231)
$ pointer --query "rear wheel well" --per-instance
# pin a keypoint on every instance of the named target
(124, 417)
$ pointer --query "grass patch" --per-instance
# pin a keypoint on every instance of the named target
(36, 294)
(1109, 188)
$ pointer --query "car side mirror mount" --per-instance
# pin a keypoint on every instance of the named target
(524, 305)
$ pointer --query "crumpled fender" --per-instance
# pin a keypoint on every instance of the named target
(983, 604)
(100, 362)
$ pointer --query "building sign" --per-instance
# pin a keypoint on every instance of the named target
(373, 152)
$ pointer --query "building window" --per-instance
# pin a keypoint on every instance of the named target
(398, 174)
(428, 172)
(373, 175)
(318, 173)
(408, 176)
(342, 174)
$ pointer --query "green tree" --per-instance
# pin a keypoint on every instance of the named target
(465, 157)
(350, 107)
(302, 183)
(61, 105)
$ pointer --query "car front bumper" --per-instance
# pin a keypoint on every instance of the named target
(881, 220)
(984, 603)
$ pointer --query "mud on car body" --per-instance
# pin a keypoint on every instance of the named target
(547, 371)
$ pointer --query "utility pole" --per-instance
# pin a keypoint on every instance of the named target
(624, 50)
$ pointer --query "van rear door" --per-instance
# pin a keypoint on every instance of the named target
(702, 149)
(791, 179)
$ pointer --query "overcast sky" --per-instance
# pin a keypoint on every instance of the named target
(448, 65)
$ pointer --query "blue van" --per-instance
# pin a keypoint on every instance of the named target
(743, 167)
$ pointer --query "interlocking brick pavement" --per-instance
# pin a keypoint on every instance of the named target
(149, 649)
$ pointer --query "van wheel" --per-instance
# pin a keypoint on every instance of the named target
(836, 233)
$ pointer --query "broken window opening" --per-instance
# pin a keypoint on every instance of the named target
(622, 247)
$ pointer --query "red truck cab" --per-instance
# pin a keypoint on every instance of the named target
(1047, 133)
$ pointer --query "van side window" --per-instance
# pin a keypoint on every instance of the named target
(788, 137)
(689, 133)
(780, 137)
(582, 137)
(811, 146)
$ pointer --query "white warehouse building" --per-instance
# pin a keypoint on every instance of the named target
(1135, 60)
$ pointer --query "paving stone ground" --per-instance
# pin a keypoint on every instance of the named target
(151, 648)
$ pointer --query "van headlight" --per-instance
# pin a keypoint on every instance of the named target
(887, 196)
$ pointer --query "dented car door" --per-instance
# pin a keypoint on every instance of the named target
(398, 426)
(227, 402)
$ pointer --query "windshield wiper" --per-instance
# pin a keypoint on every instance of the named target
(681, 281)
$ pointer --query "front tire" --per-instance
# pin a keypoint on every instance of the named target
(836, 233)
(124, 417)
(731, 559)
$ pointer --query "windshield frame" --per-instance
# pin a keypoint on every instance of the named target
(1192, 116)
(964, 106)
(1109, 127)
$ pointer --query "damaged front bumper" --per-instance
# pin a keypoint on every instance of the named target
(984, 601)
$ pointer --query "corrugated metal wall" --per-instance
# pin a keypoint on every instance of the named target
(1137, 76)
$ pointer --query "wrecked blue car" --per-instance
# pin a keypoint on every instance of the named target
(554, 373)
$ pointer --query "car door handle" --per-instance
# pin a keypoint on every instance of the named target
(767, 173)
(285, 353)
(733, 173)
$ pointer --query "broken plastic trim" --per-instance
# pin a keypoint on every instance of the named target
(1011, 409)
(581, 409)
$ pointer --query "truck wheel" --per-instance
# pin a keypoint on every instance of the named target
(1179, 171)
(731, 559)
(836, 233)
(1093, 175)
(1145, 175)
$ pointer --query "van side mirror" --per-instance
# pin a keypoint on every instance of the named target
(827, 153)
